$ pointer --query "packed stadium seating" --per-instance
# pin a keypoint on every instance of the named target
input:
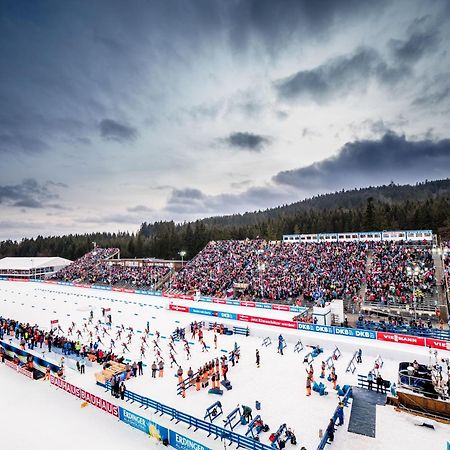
(96, 267)
(81, 268)
(396, 270)
(276, 270)
(282, 272)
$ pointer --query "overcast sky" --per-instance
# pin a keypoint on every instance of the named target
(118, 112)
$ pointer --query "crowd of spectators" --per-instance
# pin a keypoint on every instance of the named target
(31, 336)
(397, 321)
(396, 271)
(96, 267)
(275, 270)
(80, 269)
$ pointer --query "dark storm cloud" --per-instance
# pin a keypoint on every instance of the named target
(246, 141)
(339, 76)
(50, 76)
(28, 194)
(366, 162)
(422, 38)
(111, 130)
(274, 24)
(343, 74)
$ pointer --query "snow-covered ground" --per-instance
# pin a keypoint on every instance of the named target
(279, 384)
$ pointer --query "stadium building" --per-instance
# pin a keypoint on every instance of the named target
(36, 267)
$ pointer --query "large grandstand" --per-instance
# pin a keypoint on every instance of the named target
(392, 272)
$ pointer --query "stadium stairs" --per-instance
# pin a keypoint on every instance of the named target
(363, 414)
(442, 300)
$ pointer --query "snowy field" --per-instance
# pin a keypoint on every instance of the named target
(279, 383)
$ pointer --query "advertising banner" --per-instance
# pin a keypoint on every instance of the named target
(263, 305)
(315, 328)
(178, 308)
(400, 338)
(25, 372)
(181, 442)
(141, 423)
(265, 321)
(204, 312)
(366, 334)
(249, 304)
(227, 315)
(221, 301)
(437, 343)
(85, 396)
(10, 364)
(233, 302)
(280, 307)
(23, 355)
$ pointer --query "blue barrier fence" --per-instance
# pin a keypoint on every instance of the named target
(192, 422)
(433, 333)
(326, 436)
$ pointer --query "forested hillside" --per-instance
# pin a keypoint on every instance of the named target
(424, 205)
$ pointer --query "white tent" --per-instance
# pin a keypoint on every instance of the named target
(40, 267)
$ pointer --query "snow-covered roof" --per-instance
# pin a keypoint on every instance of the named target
(25, 263)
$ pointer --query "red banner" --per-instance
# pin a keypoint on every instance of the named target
(281, 307)
(265, 321)
(19, 369)
(400, 338)
(85, 396)
(178, 308)
(180, 296)
(437, 343)
(25, 372)
(249, 304)
(222, 301)
(11, 364)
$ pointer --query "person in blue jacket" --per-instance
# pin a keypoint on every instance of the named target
(280, 344)
(340, 413)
